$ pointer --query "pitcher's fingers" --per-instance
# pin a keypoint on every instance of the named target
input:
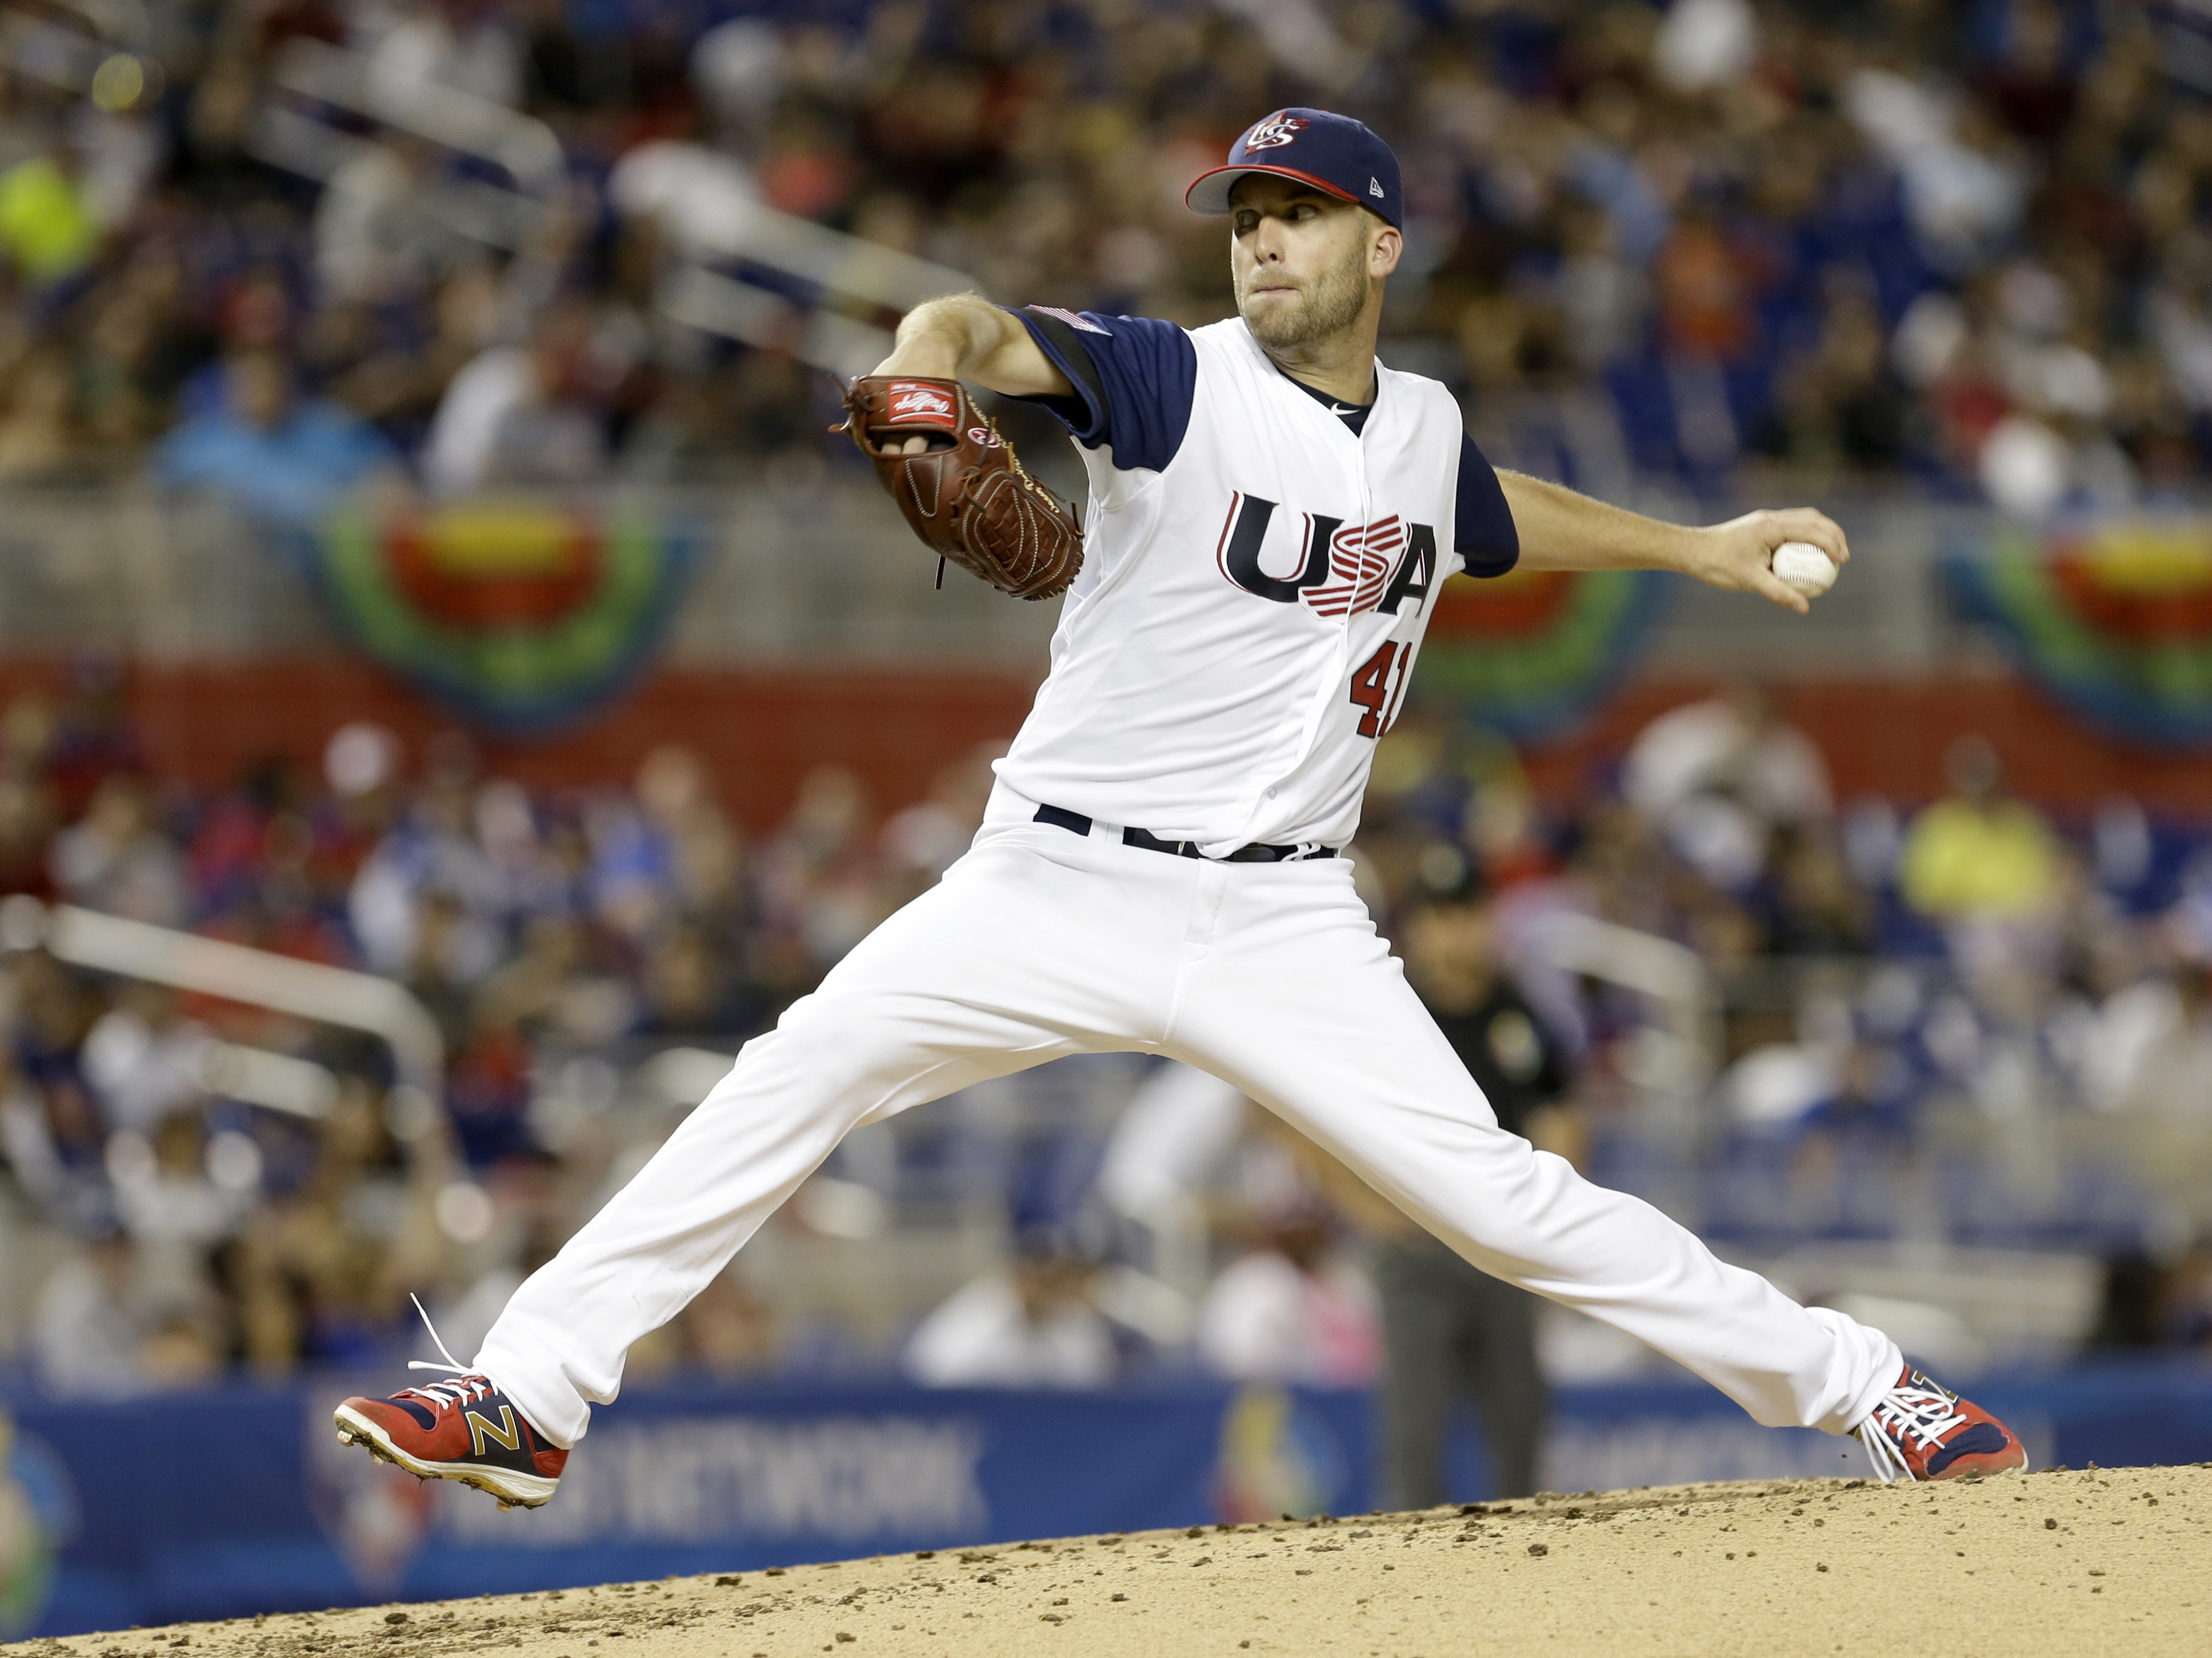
(1766, 585)
(1810, 524)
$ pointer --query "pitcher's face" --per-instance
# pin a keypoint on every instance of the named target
(1303, 262)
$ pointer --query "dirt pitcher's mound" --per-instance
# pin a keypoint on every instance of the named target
(2107, 1561)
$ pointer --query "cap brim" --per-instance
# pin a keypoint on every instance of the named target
(1209, 192)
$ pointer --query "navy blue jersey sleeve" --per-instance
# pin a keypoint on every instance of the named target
(1133, 378)
(1483, 535)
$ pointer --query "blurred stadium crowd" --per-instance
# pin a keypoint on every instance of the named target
(1962, 1025)
(1962, 242)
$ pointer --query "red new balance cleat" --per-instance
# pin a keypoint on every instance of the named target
(464, 1429)
(1920, 1430)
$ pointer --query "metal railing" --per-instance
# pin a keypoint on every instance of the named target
(308, 73)
(1672, 977)
(237, 973)
(830, 298)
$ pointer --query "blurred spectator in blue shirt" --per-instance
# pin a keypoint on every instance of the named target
(281, 456)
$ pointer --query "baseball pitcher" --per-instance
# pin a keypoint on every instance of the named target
(1272, 514)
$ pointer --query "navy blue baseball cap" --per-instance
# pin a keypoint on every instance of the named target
(1331, 153)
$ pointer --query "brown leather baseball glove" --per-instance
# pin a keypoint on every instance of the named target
(966, 495)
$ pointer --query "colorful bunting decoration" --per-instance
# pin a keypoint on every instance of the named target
(1530, 652)
(2112, 619)
(520, 615)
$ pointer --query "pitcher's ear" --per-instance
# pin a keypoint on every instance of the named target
(1390, 246)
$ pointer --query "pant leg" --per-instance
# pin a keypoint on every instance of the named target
(1419, 1376)
(1034, 946)
(1295, 999)
(1497, 1344)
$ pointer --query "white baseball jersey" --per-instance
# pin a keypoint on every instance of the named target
(1254, 588)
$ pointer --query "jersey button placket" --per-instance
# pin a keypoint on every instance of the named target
(1366, 502)
(1366, 494)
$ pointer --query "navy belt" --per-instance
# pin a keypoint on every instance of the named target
(1076, 824)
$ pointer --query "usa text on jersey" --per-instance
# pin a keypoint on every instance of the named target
(1342, 569)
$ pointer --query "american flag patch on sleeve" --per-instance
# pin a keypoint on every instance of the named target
(1072, 320)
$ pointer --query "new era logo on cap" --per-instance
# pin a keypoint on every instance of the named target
(1332, 153)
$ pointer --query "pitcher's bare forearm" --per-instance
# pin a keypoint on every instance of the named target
(1560, 530)
(964, 337)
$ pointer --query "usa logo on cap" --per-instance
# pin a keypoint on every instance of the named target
(1274, 132)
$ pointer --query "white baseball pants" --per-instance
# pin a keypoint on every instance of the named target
(1041, 943)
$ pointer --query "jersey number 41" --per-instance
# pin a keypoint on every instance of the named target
(1378, 687)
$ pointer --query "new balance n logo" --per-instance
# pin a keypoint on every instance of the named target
(481, 1429)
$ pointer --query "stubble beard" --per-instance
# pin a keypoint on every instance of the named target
(1329, 306)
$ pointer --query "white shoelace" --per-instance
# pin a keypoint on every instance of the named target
(1903, 1413)
(470, 1384)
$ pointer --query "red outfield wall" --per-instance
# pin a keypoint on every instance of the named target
(760, 731)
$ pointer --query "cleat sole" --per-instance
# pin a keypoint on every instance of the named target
(511, 1489)
(1982, 1471)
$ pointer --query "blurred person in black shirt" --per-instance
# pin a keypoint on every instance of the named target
(1451, 1333)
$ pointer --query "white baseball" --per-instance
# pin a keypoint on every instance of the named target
(1801, 565)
